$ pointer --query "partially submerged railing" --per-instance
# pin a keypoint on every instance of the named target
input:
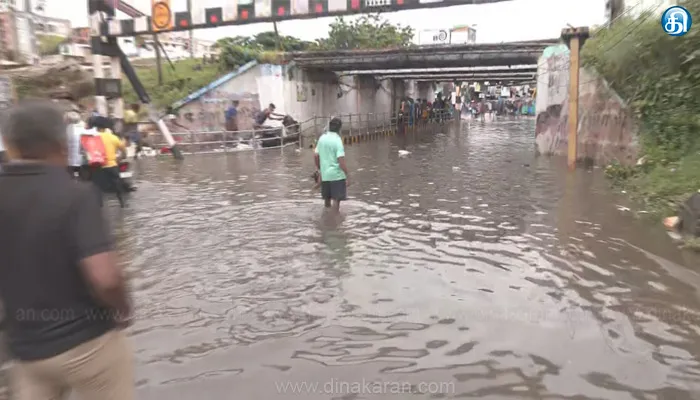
(303, 134)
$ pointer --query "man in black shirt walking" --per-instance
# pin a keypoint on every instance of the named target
(63, 292)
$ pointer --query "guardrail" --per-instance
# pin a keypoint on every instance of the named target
(356, 128)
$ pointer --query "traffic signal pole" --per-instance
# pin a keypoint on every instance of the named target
(189, 10)
(107, 46)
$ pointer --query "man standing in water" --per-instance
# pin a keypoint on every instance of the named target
(63, 292)
(330, 161)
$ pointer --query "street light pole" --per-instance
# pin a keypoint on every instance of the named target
(189, 10)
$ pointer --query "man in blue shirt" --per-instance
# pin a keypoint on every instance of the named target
(232, 117)
(330, 161)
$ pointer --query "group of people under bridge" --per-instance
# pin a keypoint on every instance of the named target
(422, 111)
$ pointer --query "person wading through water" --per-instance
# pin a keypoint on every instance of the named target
(103, 159)
(131, 128)
(232, 117)
(264, 115)
(63, 292)
(330, 162)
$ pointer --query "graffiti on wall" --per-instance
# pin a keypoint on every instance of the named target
(606, 130)
(208, 113)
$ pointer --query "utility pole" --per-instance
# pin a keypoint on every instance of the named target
(277, 37)
(158, 61)
(574, 38)
(189, 10)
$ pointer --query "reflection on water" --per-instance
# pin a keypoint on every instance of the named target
(469, 268)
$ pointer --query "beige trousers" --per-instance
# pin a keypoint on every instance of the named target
(101, 369)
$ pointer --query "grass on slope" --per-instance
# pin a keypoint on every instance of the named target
(188, 76)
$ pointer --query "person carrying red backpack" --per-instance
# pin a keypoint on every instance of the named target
(100, 154)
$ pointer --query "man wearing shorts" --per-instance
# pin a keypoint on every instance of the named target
(330, 161)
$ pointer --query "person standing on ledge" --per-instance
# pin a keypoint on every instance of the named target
(330, 161)
(63, 292)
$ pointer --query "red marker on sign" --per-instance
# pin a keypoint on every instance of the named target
(355, 4)
(244, 14)
(280, 11)
(319, 7)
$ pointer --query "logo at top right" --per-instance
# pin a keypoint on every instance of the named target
(676, 21)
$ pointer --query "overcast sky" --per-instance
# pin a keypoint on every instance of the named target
(499, 22)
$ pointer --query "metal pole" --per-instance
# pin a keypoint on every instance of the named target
(189, 10)
(158, 60)
(278, 42)
(98, 71)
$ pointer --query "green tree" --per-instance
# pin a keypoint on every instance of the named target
(49, 44)
(267, 41)
(366, 32)
(659, 75)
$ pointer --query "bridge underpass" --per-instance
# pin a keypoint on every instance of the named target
(377, 80)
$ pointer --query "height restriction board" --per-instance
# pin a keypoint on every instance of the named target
(161, 15)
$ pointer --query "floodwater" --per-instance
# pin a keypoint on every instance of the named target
(468, 269)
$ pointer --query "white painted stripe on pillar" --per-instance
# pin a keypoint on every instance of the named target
(101, 105)
(95, 24)
(98, 72)
(199, 16)
(114, 27)
(141, 24)
(230, 11)
(116, 73)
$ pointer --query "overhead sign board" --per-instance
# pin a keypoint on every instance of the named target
(161, 15)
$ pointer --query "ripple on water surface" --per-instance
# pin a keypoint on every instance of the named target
(469, 268)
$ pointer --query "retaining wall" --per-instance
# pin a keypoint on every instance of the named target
(606, 130)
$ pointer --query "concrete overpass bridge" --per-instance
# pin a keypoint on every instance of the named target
(515, 74)
(447, 56)
(377, 80)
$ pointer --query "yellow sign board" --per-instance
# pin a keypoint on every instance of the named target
(161, 15)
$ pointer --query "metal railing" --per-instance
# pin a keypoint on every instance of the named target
(302, 134)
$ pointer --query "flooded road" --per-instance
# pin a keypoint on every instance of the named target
(469, 268)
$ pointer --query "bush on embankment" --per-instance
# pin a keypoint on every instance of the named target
(659, 76)
(186, 77)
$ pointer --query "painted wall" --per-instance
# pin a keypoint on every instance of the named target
(299, 93)
(606, 129)
(309, 93)
(208, 111)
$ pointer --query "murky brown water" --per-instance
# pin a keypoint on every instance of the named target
(470, 268)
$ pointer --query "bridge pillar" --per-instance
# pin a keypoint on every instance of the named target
(574, 37)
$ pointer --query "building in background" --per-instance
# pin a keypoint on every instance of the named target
(463, 34)
(458, 35)
(18, 40)
(176, 46)
(77, 45)
(52, 26)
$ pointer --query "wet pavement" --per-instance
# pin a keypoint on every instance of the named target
(468, 269)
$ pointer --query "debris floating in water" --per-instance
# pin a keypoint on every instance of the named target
(404, 153)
